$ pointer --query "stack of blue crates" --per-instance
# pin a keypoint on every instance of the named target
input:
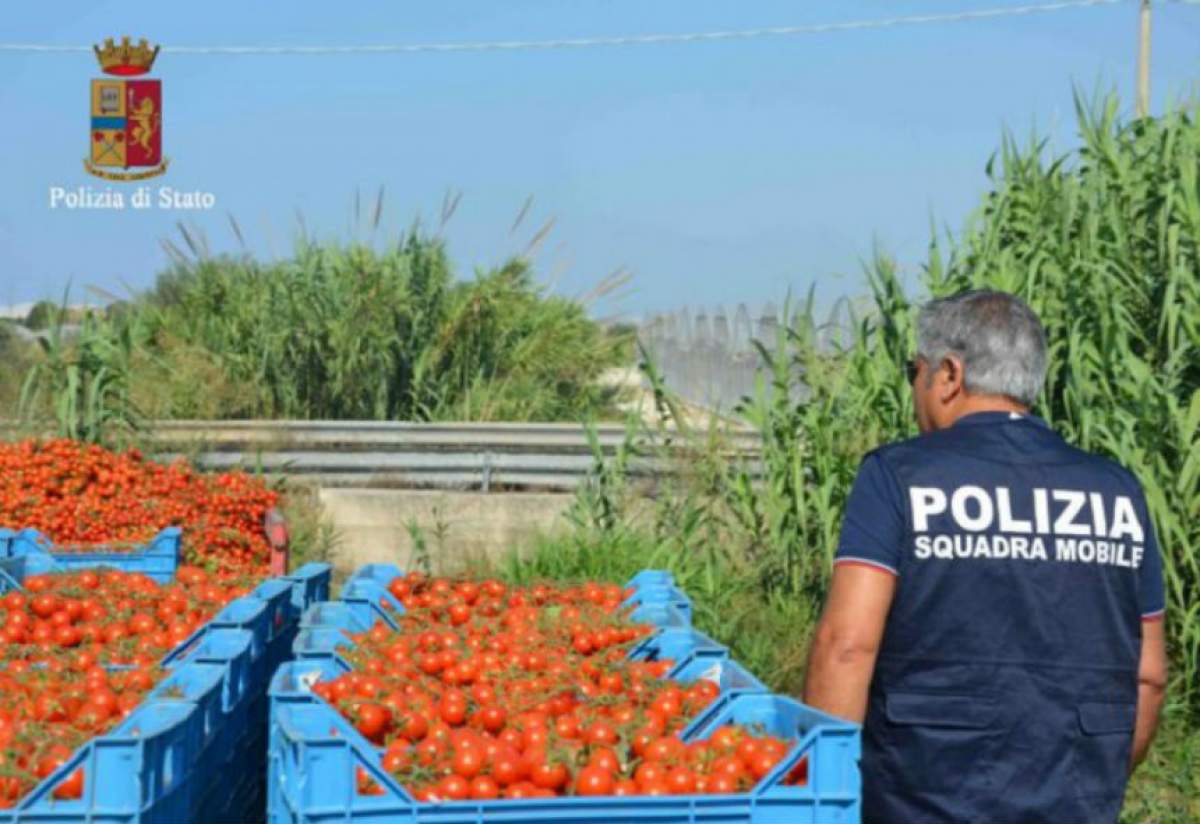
(315, 754)
(158, 559)
(195, 749)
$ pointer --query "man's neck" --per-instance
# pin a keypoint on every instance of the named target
(988, 403)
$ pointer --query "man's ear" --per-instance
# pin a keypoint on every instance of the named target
(950, 378)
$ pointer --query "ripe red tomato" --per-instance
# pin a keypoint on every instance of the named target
(454, 788)
(721, 784)
(467, 762)
(601, 732)
(373, 721)
(507, 767)
(412, 726)
(484, 788)
(664, 748)
(549, 775)
(70, 787)
(649, 772)
(43, 605)
(762, 763)
(397, 760)
(606, 759)
(625, 787)
(681, 781)
(594, 780)
(492, 718)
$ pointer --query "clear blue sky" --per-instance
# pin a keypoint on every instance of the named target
(716, 172)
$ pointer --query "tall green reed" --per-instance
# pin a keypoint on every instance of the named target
(1104, 243)
(337, 331)
(81, 382)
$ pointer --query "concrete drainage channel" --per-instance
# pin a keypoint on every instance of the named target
(373, 524)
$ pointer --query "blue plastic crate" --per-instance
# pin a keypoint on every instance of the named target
(276, 593)
(271, 612)
(230, 651)
(649, 585)
(680, 644)
(139, 773)
(157, 559)
(207, 686)
(373, 598)
(204, 726)
(293, 681)
(674, 639)
(269, 619)
(239, 752)
(202, 684)
(727, 674)
(326, 630)
(310, 584)
(12, 573)
(651, 577)
(241, 634)
(684, 646)
(322, 642)
(315, 754)
(248, 613)
(661, 615)
(661, 595)
(249, 676)
(345, 616)
(15, 569)
(657, 586)
(367, 590)
(382, 574)
(325, 635)
(230, 648)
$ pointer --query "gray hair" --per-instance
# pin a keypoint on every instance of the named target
(996, 335)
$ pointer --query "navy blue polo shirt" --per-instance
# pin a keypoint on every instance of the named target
(1006, 685)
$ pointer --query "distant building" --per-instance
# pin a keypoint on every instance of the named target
(18, 311)
(21, 311)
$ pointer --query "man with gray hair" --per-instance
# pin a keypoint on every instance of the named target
(995, 617)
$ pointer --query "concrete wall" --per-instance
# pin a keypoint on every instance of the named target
(372, 524)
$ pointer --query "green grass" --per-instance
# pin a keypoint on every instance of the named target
(311, 537)
(1166, 789)
(351, 331)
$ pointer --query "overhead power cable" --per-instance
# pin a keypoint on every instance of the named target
(622, 40)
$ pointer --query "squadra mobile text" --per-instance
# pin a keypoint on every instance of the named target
(141, 197)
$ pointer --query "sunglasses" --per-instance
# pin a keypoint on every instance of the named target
(912, 369)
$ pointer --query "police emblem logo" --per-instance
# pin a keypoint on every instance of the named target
(126, 114)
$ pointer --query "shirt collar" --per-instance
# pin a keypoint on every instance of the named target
(980, 418)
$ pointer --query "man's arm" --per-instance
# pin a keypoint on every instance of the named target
(1152, 688)
(842, 659)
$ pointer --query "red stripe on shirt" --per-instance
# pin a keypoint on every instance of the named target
(867, 564)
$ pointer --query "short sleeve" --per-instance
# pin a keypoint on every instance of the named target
(1151, 593)
(873, 531)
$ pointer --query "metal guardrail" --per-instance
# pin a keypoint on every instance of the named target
(486, 456)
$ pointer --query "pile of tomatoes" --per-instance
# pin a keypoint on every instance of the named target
(488, 691)
(82, 495)
(60, 639)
